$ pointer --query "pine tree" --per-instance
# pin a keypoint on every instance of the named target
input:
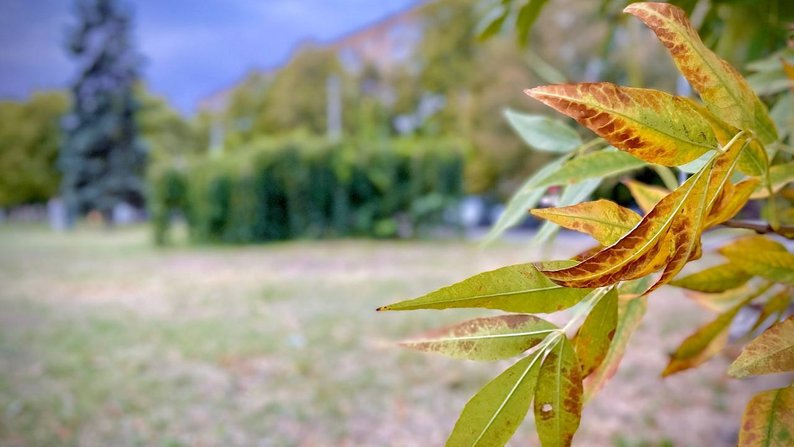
(102, 158)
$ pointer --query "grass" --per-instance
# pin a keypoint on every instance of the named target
(107, 340)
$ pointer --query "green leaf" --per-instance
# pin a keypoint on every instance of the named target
(594, 338)
(769, 353)
(492, 416)
(715, 279)
(485, 339)
(768, 419)
(601, 164)
(544, 133)
(527, 16)
(630, 313)
(571, 195)
(515, 288)
(526, 198)
(493, 22)
(558, 396)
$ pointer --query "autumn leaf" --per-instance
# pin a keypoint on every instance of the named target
(706, 342)
(646, 196)
(492, 338)
(731, 201)
(651, 125)
(647, 247)
(606, 221)
(714, 279)
(769, 353)
(762, 257)
(630, 313)
(493, 414)
(595, 336)
(768, 419)
(723, 90)
(558, 396)
(515, 288)
(776, 305)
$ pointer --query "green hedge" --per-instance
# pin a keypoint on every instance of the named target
(298, 188)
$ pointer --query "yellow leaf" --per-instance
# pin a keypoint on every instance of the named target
(763, 257)
(558, 396)
(595, 336)
(721, 87)
(651, 125)
(714, 279)
(646, 196)
(731, 201)
(604, 220)
(705, 342)
(769, 353)
(768, 419)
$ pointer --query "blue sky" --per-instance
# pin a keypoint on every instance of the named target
(193, 48)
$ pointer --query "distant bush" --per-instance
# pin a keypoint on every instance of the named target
(307, 188)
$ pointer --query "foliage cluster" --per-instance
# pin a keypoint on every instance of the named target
(731, 150)
(307, 188)
(29, 140)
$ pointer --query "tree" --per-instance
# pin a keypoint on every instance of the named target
(29, 139)
(729, 145)
(102, 158)
(168, 136)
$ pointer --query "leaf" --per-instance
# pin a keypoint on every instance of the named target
(601, 164)
(715, 279)
(595, 336)
(572, 194)
(646, 196)
(525, 198)
(515, 288)
(706, 342)
(646, 248)
(492, 338)
(779, 176)
(606, 221)
(527, 16)
(493, 414)
(762, 257)
(732, 201)
(544, 133)
(651, 125)
(558, 396)
(777, 304)
(493, 22)
(723, 301)
(768, 419)
(721, 87)
(769, 353)
(630, 313)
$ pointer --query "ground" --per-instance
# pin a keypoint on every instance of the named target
(108, 340)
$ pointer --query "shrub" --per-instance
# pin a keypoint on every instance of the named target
(303, 188)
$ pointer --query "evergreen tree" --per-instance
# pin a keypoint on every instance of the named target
(102, 158)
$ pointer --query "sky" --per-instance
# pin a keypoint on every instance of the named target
(192, 48)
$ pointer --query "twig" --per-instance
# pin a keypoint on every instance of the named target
(786, 231)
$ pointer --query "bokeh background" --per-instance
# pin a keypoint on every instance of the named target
(202, 204)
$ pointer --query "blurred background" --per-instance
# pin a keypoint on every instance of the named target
(202, 204)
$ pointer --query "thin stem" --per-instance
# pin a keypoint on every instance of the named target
(786, 231)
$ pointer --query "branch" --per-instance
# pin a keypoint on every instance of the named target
(760, 227)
